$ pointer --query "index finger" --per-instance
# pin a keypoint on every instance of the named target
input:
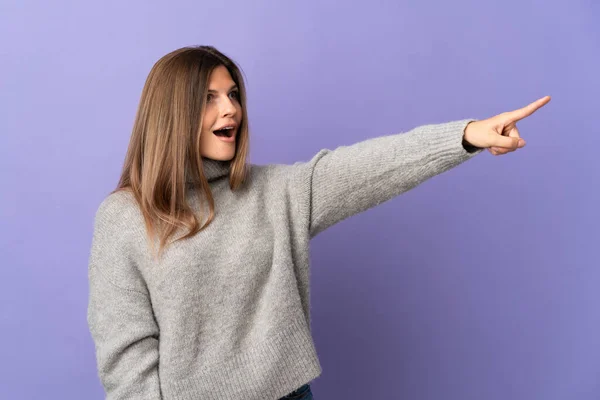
(527, 110)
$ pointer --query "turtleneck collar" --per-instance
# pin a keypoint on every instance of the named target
(213, 169)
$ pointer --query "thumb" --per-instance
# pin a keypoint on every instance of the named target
(505, 142)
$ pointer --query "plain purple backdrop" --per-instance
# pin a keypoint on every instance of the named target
(482, 283)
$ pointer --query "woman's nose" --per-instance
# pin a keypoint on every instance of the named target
(228, 108)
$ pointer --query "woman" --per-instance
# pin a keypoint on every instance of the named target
(199, 265)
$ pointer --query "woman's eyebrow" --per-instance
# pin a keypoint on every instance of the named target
(215, 91)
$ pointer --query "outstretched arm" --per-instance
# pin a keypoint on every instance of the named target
(337, 184)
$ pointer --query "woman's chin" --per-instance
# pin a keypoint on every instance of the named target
(219, 155)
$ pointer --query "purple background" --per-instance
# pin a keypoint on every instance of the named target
(482, 283)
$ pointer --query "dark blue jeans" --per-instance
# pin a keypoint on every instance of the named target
(302, 393)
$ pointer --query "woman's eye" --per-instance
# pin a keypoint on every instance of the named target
(235, 94)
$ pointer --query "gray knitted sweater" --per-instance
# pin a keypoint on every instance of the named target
(226, 314)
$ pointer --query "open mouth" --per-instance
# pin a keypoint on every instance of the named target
(225, 132)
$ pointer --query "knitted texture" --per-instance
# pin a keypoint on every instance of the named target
(225, 315)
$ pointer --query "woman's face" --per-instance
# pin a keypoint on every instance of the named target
(223, 109)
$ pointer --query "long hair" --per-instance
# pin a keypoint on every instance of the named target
(164, 149)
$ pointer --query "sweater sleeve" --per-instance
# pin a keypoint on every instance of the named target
(120, 315)
(337, 184)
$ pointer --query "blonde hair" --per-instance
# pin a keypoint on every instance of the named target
(164, 149)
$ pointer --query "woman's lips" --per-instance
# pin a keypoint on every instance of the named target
(230, 139)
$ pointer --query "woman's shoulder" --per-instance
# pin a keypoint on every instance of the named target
(289, 176)
(274, 171)
(121, 200)
(118, 210)
(117, 236)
